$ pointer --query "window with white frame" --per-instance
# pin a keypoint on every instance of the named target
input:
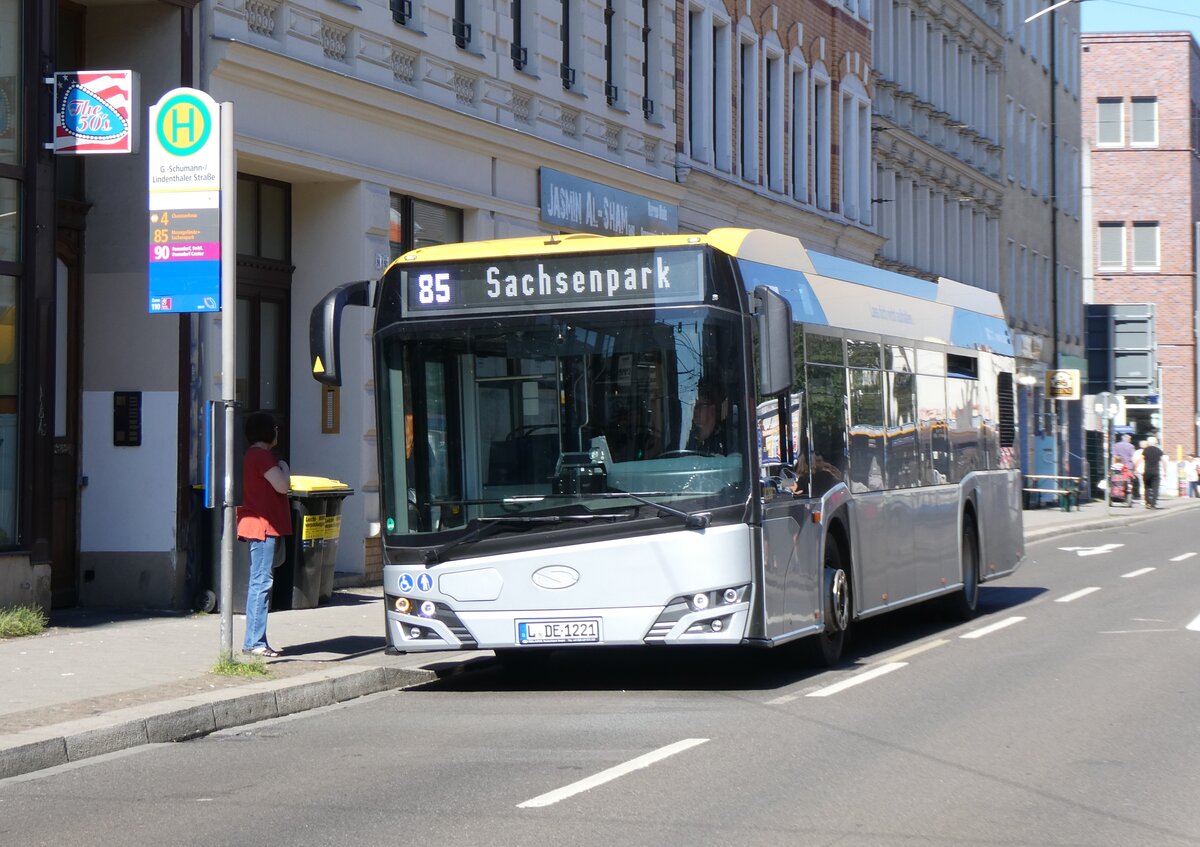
(1110, 237)
(1143, 121)
(403, 12)
(1110, 127)
(1031, 158)
(882, 43)
(722, 87)
(937, 232)
(1019, 153)
(1010, 300)
(466, 20)
(1145, 246)
(822, 137)
(854, 147)
(1044, 148)
(709, 108)
(614, 53)
(799, 132)
(651, 57)
(698, 94)
(570, 29)
(748, 105)
(524, 33)
(1009, 141)
(774, 97)
(1023, 282)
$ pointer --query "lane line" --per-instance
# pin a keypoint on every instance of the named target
(1138, 572)
(988, 630)
(918, 650)
(1194, 626)
(1181, 557)
(779, 701)
(552, 797)
(1075, 595)
(865, 676)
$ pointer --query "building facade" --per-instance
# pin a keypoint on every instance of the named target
(1042, 237)
(976, 165)
(1141, 120)
(361, 131)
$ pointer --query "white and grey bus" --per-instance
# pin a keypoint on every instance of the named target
(572, 448)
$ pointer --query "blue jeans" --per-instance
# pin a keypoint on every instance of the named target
(258, 595)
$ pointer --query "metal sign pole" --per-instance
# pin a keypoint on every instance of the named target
(228, 368)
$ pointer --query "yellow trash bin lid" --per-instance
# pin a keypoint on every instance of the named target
(316, 484)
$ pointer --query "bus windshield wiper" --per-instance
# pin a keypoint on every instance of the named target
(693, 520)
(482, 527)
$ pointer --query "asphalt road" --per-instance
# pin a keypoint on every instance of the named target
(1064, 715)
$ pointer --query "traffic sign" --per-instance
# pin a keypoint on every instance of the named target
(185, 203)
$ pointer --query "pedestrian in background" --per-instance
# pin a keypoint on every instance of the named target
(263, 520)
(1191, 472)
(1123, 450)
(1152, 459)
(1139, 465)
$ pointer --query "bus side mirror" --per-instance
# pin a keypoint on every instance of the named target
(325, 329)
(774, 316)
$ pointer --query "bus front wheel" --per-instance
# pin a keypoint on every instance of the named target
(825, 649)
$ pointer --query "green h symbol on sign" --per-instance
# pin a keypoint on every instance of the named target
(183, 125)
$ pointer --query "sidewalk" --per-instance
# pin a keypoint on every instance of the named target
(99, 681)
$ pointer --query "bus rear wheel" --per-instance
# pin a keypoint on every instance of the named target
(825, 648)
(963, 604)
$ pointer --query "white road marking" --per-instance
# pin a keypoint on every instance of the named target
(1183, 556)
(1131, 631)
(1092, 551)
(1075, 595)
(551, 797)
(988, 630)
(1194, 626)
(859, 679)
(897, 660)
(918, 650)
(1138, 572)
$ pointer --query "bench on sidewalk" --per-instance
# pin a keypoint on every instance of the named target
(1064, 488)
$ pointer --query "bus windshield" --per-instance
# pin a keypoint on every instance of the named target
(561, 414)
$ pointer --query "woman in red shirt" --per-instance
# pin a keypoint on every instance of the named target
(263, 519)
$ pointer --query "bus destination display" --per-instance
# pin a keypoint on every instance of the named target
(538, 283)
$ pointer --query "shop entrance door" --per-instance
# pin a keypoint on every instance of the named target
(65, 479)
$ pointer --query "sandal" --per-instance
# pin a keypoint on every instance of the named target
(265, 652)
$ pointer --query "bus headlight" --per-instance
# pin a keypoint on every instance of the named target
(700, 602)
(402, 605)
(428, 608)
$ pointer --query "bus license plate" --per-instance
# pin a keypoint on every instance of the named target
(558, 632)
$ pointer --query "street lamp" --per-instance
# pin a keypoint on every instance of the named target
(1048, 9)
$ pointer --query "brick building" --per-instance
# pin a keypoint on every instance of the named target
(1140, 108)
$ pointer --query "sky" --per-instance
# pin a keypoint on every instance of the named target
(1133, 15)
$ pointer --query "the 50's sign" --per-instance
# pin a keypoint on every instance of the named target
(94, 112)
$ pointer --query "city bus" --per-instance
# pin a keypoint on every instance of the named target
(710, 439)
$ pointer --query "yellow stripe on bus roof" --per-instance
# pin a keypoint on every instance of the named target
(756, 244)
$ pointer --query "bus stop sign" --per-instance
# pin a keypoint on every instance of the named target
(185, 203)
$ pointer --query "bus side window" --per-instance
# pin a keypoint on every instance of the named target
(827, 417)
